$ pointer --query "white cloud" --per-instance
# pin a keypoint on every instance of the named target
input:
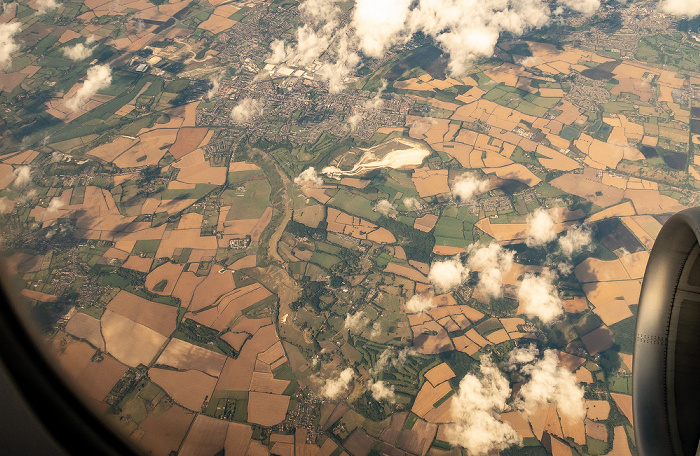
(80, 51)
(381, 392)
(541, 228)
(448, 274)
(539, 298)
(215, 81)
(246, 110)
(379, 24)
(309, 177)
(24, 176)
(46, 5)
(685, 8)
(385, 208)
(333, 388)
(492, 262)
(585, 7)
(98, 77)
(376, 101)
(8, 45)
(576, 239)
(476, 410)
(319, 11)
(354, 120)
(468, 185)
(391, 357)
(412, 204)
(55, 205)
(356, 322)
(419, 303)
(523, 355)
(550, 382)
(345, 61)
(376, 330)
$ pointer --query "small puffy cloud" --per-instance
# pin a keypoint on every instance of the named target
(539, 298)
(319, 11)
(8, 45)
(44, 6)
(246, 110)
(412, 204)
(385, 208)
(23, 176)
(376, 101)
(98, 77)
(419, 303)
(309, 177)
(448, 274)
(585, 7)
(468, 185)
(215, 82)
(476, 410)
(354, 120)
(55, 205)
(684, 8)
(575, 240)
(550, 382)
(333, 388)
(376, 330)
(356, 322)
(80, 51)
(523, 355)
(492, 262)
(391, 357)
(381, 392)
(540, 228)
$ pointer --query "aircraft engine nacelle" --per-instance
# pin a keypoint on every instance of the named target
(666, 384)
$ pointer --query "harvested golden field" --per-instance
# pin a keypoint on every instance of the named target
(128, 341)
(575, 305)
(188, 139)
(164, 432)
(180, 239)
(595, 270)
(430, 182)
(620, 443)
(138, 264)
(149, 150)
(498, 336)
(94, 380)
(589, 187)
(438, 374)
(624, 404)
(628, 360)
(237, 439)
(261, 224)
(518, 422)
(249, 261)
(158, 317)
(430, 338)
(340, 222)
(597, 410)
(267, 409)
(195, 169)
(560, 448)
(652, 202)
(429, 395)
(111, 150)
(242, 166)
(264, 382)
(189, 388)
(426, 222)
(512, 232)
(185, 287)
(515, 171)
(186, 356)
(619, 210)
(215, 285)
(447, 250)
(206, 436)
(555, 159)
(417, 440)
(406, 271)
(217, 24)
(237, 373)
(84, 326)
(573, 428)
(21, 158)
(38, 295)
(168, 272)
(310, 216)
(230, 305)
(544, 419)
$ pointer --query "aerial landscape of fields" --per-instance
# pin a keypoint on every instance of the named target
(261, 228)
